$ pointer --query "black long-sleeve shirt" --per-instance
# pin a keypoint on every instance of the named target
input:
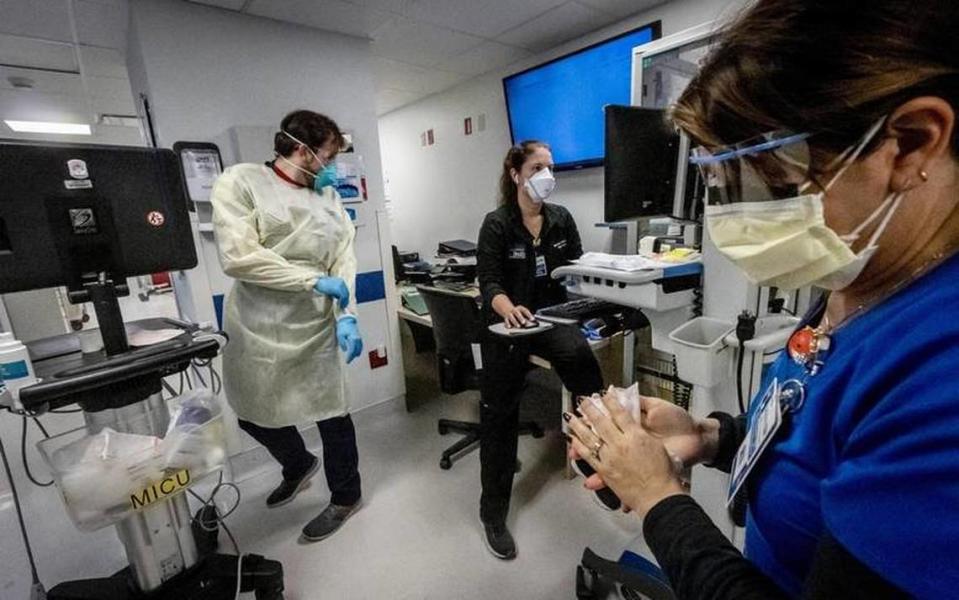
(507, 257)
(702, 564)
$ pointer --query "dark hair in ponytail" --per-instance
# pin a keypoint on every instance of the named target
(515, 159)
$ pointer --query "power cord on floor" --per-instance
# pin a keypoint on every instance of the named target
(220, 521)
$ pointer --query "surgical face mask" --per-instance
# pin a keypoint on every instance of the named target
(786, 243)
(323, 178)
(540, 186)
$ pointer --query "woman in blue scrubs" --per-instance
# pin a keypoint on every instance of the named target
(829, 149)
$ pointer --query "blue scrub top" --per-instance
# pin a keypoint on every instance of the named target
(873, 455)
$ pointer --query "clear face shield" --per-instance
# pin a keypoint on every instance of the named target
(774, 166)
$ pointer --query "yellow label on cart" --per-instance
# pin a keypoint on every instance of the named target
(160, 490)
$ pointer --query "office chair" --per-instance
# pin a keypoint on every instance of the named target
(457, 325)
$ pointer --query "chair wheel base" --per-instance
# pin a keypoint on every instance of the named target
(446, 464)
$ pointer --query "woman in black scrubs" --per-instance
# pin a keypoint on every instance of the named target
(520, 244)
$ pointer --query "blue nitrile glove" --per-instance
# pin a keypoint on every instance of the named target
(335, 288)
(348, 336)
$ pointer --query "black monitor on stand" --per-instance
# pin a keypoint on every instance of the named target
(87, 217)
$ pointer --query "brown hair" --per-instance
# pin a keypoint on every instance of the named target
(828, 67)
(311, 128)
(515, 159)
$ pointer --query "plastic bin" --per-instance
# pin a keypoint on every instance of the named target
(702, 355)
(105, 477)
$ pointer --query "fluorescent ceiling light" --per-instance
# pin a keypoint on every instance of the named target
(49, 127)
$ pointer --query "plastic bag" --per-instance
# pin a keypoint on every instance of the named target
(194, 439)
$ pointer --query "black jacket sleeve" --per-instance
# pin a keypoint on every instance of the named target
(702, 564)
(489, 259)
(698, 559)
(732, 432)
(575, 248)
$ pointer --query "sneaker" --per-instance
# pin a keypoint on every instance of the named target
(605, 498)
(499, 541)
(328, 521)
(289, 488)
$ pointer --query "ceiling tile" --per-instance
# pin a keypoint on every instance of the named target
(622, 8)
(30, 106)
(419, 43)
(228, 4)
(391, 74)
(37, 53)
(483, 58)
(32, 18)
(103, 62)
(555, 27)
(100, 24)
(396, 7)
(120, 103)
(487, 18)
(389, 99)
(44, 82)
(109, 86)
(330, 15)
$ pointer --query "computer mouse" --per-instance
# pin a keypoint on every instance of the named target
(531, 324)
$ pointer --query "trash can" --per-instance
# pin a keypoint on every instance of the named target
(702, 355)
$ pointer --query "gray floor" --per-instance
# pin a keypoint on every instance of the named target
(417, 535)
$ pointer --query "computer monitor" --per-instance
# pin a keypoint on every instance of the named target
(69, 213)
(642, 150)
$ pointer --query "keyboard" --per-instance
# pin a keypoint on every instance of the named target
(579, 309)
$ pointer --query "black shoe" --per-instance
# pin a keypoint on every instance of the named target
(499, 541)
(605, 498)
(328, 521)
(289, 488)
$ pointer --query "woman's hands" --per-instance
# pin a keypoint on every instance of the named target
(629, 459)
(687, 439)
(513, 316)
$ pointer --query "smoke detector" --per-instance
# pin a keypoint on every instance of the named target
(21, 83)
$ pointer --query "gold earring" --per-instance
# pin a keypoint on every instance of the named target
(924, 176)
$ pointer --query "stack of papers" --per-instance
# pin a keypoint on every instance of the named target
(634, 262)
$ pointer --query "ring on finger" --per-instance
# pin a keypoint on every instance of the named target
(597, 447)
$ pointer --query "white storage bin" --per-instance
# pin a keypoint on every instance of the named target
(702, 355)
(105, 477)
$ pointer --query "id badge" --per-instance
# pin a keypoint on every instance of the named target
(764, 423)
(541, 266)
(517, 253)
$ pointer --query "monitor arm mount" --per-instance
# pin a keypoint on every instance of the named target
(102, 291)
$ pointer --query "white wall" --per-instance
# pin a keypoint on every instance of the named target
(443, 191)
(207, 70)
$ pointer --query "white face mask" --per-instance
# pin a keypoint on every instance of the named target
(540, 186)
(787, 244)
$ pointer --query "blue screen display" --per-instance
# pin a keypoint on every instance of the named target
(562, 102)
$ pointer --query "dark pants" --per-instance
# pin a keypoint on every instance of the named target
(505, 363)
(340, 457)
